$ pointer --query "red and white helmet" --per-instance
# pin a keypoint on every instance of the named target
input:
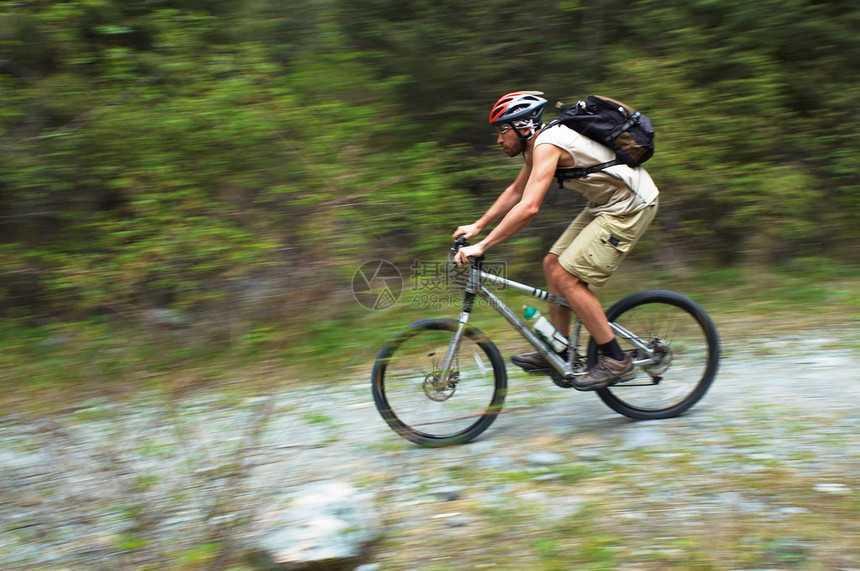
(518, 106)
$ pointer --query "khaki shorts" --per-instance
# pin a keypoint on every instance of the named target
(592, 247)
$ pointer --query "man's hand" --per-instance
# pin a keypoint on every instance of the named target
(466, 252)
(468, 231)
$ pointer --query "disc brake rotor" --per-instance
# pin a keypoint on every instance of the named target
(437, 390)
(662, 358)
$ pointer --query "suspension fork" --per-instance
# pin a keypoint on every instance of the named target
(472, 285)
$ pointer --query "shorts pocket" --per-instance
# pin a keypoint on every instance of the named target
(610, 250)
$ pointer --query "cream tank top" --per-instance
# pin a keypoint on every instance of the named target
(618, 190)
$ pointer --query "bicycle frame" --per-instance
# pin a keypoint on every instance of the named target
(567, 369)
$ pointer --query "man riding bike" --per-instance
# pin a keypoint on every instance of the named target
(622, 203)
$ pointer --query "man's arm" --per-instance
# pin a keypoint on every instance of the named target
(544, 160)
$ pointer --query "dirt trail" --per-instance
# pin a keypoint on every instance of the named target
(774, 443)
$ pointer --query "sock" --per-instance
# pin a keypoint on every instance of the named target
(612, 350)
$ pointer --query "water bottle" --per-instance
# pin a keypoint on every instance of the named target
(545, 329)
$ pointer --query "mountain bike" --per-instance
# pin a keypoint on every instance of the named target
(440, 382)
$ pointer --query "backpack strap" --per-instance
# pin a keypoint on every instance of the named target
(634, 120)
(562, 175)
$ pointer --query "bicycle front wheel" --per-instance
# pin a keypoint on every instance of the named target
(686, 354)
(420, 405)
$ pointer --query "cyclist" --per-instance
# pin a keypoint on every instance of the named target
(622, 203)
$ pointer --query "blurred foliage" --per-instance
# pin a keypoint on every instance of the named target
(242, 158)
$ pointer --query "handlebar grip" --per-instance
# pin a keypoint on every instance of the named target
(459, 243)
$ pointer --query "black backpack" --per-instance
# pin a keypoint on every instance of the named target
(612, 123)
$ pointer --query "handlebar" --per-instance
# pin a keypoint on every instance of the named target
(459, 243)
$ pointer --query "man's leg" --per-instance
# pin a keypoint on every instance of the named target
(586, 306)
(558, 315)
(593, 255)
(581, 299)
(613, 365)
(561, 316)
(585, 245)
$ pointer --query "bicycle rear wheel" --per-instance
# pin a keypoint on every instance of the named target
(422, 407)
(686, 355)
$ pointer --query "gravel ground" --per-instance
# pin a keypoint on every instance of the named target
(764, 473)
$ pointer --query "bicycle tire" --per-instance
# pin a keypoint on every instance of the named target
(407, 393)
(689, 361)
